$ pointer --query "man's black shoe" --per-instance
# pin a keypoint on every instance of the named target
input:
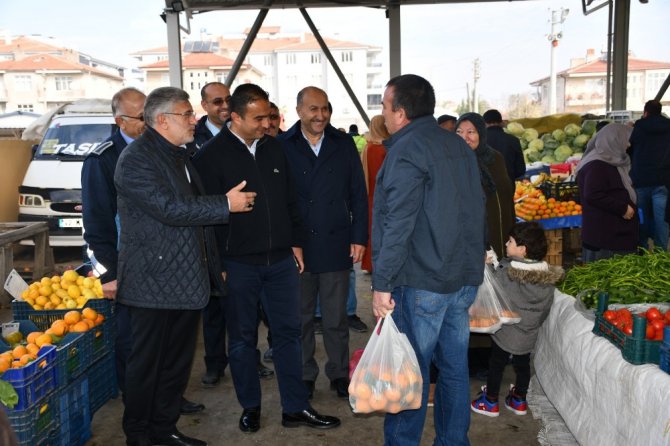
(250, 421)
(211, 378)
(309, 417)
(264, 372)
(356, 324)
(189, 408)
(310, 388)
(318, 326)
(177, 439)
(341, 386)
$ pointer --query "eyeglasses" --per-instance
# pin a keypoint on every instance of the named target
(139, 118)
(220, 101)
(187, 114)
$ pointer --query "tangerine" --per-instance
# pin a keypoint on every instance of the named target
(89, 313)
(43, 340)
(30, 339)
(79, 327)
(377, 401)
(362, 406)
(72, 317)
(19, 351)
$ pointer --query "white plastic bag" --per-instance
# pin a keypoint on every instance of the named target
(491, 309)
(387, 377)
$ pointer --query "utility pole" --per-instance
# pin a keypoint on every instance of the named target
(475, 98)
(557, 18)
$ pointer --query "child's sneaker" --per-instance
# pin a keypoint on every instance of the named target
(515, 403)
(483, 406)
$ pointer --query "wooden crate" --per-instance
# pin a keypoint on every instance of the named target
(554, 246)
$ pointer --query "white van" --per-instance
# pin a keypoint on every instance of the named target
(51, 188)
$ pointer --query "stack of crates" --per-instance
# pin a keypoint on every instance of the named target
(664, 362)
(84, 378)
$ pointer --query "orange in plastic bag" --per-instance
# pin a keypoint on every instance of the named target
(387, 377)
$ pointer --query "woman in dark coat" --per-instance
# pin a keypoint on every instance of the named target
(495, 181)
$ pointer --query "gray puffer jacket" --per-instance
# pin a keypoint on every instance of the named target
(162, 261)
(530, 293)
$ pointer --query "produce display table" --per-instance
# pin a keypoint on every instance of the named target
(602, 398)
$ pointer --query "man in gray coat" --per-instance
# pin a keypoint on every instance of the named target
(162, 270)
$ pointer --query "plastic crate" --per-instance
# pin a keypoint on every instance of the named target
(102, 339)
(44, 318)
(37, 425)
(35, 380)
(563, 191)
(635, 351)
(664, 358)
(74, 414)
(102, 382)
(74, 357)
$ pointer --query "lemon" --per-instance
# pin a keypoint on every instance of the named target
(88, 283)
(55, 279)
(45, 281)
(88, 293)
(73, 291)
(56, 286)
(61, 306)
(41, 300)
(55, 299)
(46, 290)
(70, 275)
(70, 304)
(80, 280)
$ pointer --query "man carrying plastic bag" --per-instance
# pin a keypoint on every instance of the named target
(428, 254)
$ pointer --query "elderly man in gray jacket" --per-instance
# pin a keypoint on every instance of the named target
(162, 272)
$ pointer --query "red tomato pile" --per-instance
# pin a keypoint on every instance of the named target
(656, 321)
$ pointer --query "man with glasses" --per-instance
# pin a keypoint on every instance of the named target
(215, 101)
(163, 264)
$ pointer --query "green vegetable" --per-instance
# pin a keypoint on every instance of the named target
(549, 159)
(572, 129)
(536, 144)
(8, 395)
(558, 135)
(581, 140)
(627, 279)
(589, 126)
(530, 135)
(531, 155)
(562, 153)
(515, 129)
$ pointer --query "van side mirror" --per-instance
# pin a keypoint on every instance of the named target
(34, 149)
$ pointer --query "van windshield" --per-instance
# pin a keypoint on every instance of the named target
(72, 142)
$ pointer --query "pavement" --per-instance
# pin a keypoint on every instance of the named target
(217, 424)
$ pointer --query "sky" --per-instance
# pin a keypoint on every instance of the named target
(439, 42)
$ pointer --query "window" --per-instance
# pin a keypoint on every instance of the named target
(63, 83)
(374, 101)
(267, 60)
(347, 56)
(24, 82)
(25, 107)
(316, 58)
(290, 59)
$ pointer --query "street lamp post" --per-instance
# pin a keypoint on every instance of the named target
(557, 18)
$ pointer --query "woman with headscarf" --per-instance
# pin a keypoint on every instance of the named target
(609, 215)
(495, 181)
(372, 157)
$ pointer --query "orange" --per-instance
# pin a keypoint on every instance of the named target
(25, 359)
(90, 323)
(400, 380)
(362, 391)
(30, 339)
(409, 396)
(392, 394)
(89, 313)
(79, 327)
(16, 364)
(393, 407)
(59, 327)
(362, 406)
(43, 340)
(19, 351)
(377, 401)
(5, 364)
(100, 319)
(33, 349)
(72, 317)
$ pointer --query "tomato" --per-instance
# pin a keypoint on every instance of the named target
(609, 315)
(653, 313)
(659, 336)
(625, 314)
(628, 330)
(658, 325)
(667, 317)
(651, 332)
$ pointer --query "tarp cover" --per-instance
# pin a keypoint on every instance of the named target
(37, 129)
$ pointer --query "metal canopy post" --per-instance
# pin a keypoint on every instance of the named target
(246, 46)
(393, 15)
(174, 47)
(620, 59)
(336, 67)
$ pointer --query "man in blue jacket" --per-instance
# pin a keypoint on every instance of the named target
(650, 170)
(428, 253)
(333, 202)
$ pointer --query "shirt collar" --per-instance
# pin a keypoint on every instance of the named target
(212, 128)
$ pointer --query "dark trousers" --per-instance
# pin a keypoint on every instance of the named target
(214, 334)
(497, 362)
(276, 288)
(332, 288)
(122, 344)
(158, 369)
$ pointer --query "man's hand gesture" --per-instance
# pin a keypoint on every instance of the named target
(239, 201)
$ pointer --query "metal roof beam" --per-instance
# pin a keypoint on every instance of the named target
(246, 46)
(174, 47)
(620, 59)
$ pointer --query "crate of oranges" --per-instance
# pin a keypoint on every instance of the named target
(30, 367)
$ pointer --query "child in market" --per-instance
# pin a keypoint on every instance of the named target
(528, 283)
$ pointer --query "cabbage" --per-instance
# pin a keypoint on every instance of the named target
(562, 153)
(546, 137)
(572, 129)
(558, 135)
(524, 144)
(536, 144)
(551, 143)
(581, 140)
(530, 155)
(548, 159)
(589, 126)
(530, 135)
(515, 129)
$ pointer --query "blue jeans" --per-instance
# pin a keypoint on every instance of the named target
(652, 201)
(437, 326)
(352, 302)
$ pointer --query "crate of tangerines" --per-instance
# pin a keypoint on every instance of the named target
(531, 204)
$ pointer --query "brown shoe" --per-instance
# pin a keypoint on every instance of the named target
(431, 395)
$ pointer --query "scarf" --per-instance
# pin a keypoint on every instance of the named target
(484, 152)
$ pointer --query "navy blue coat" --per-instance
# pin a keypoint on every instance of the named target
(331, 195)
(98, 198)
(201, 136)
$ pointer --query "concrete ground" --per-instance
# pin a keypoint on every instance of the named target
(218, 423)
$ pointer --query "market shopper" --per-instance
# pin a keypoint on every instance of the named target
(162, 268)
(650, 170)
(262, 255)
(428, 252)
(504, 143)
(528, 283)
(610, 223)
(494, 179)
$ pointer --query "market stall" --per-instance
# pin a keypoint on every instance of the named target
(603, 399)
